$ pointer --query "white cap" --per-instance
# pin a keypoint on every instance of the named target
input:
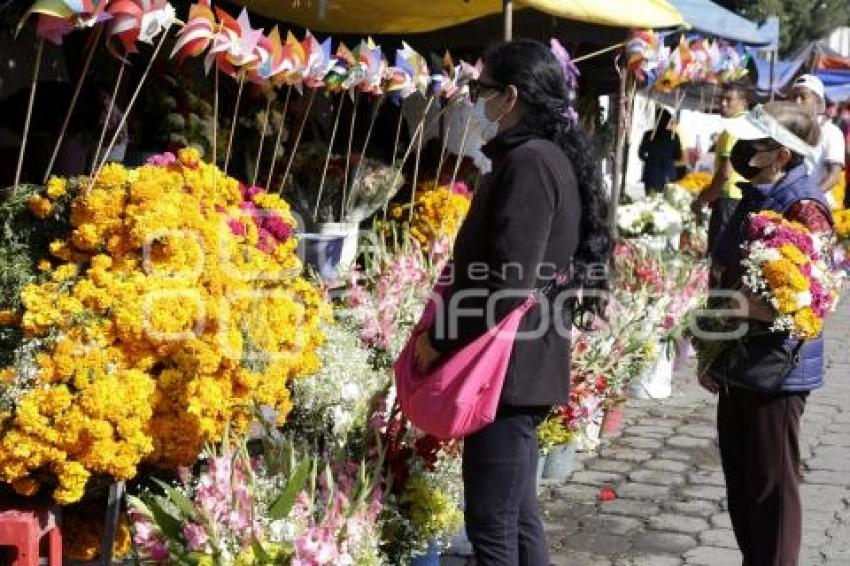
(812, 83)
(757, 124)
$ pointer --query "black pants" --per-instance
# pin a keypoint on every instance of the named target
(500, 491)
(759, 447)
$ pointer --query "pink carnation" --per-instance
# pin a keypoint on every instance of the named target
(236, 227)
(162, 159)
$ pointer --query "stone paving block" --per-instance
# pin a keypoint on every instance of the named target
(698, 430)
(597, 543)
(595, 478)
(656, 477)
(610, 524)
(648, 431)
(836, 439)
(710, 492)
(673, 466)
(685, 441)
(713, 556)
(669, 424)
(630, 454)
(641, 442)
(630, 508)
(721, 520)
(571, 558)
(696, 507)
(650, 560)
(706, 477)
(670, 522)
(674, 454)
(644, 491)
(724, 538)
(827, 477)
(609, 465)
(664, 543)
(576, 493)
(825, 498)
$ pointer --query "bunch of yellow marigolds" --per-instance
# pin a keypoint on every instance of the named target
(169, 311)
(439, 211)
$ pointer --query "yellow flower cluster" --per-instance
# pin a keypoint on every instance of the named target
(842, 224)
(432, 511)
(439, 212)
(695, 182)
(162, 323)
(838, 191)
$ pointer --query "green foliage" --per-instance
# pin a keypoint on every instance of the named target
(800, 21)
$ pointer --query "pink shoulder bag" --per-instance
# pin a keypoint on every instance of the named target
(460, 394)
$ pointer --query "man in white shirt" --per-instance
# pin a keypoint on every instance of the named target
(808, 92)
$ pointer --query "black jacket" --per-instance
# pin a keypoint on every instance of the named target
(522, 226)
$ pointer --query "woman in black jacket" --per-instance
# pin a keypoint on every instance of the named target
(542, 211)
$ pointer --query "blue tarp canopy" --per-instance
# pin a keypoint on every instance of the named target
(711, 19)
(836, 81)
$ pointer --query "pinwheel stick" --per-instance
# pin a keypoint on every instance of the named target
(398, 132)
(462, 148)
(133, 99)
(279, 135)
(372, 121)
(348, 154)
(262, 139)
(328, 156)
(95, 39)
(35, 73)
(442, 160)
(421, 134)
(215, 117)
(297, 140)
(108, 116)
(233, 122)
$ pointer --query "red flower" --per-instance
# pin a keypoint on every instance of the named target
(607, 494)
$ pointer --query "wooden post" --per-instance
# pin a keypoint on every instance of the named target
(508, 6)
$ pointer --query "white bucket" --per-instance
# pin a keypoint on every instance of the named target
(351, 232)
(657, 383)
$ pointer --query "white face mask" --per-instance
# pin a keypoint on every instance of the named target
(488, 127)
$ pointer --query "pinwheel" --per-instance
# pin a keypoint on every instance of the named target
(373, 68)
(642, 51)
(198, 34)
(415, 65)
(337, 79)
(234, 46)
(57, 18)
(319, 61)
(137, 20)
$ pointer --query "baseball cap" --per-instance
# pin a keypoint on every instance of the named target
(812, 83)
(757, 124)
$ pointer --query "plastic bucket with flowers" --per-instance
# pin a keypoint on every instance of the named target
(322, 252)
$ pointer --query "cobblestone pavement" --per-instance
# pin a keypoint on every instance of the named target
(665, 468)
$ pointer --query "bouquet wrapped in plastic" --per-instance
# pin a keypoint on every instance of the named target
(787, 265)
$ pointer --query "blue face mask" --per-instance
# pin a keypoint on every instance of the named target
(488, 128)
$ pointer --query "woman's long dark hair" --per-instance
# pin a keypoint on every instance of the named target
(546, 105)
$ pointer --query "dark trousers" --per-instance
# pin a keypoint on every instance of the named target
(500, 491)
(759, 447)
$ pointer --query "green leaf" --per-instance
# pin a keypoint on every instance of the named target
(183, 503)
(167, 523)
(281, 506)
(260, 554)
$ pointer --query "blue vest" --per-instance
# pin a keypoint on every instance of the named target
(797, 185)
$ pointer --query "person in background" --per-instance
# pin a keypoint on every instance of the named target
(808, 92)
(723, 194)
(759, 427)
(844, 124)
(660, 150)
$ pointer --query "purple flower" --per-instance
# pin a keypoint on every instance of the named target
(162, 159)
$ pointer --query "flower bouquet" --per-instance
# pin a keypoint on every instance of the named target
(786, 265)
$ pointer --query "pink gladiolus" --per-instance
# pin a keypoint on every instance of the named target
(196, 537)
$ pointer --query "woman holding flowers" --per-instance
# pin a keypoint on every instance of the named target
(540, 212)
(763, 383)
